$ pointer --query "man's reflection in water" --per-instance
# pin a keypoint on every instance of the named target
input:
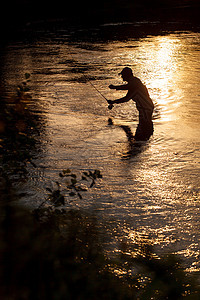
(134, 147)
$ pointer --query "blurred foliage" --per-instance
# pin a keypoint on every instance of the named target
(19, 127)
(74, 185)
(68, 186)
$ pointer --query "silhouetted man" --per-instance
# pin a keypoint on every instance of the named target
(138, 92)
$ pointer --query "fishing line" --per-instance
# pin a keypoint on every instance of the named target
(95, 88)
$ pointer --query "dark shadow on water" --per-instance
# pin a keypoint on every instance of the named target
(134, 147)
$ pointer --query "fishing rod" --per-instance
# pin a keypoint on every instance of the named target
(110, 106)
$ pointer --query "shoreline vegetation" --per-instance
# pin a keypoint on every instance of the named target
(59, 253)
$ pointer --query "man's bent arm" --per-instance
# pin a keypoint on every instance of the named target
(122, 87)
(119, 87)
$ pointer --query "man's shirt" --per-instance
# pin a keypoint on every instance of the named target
(138, 92)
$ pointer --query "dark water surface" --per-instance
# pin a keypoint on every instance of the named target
(151, 191)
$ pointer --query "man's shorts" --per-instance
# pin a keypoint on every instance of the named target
(144, 130)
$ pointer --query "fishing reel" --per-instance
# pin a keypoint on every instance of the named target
(110, 106)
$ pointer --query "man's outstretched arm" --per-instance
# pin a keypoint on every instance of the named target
(119, 87)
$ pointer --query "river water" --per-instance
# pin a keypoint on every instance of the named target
(151, 190)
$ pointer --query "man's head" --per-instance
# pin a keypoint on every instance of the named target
(126, 73)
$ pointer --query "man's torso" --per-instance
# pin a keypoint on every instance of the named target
(141, 96)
